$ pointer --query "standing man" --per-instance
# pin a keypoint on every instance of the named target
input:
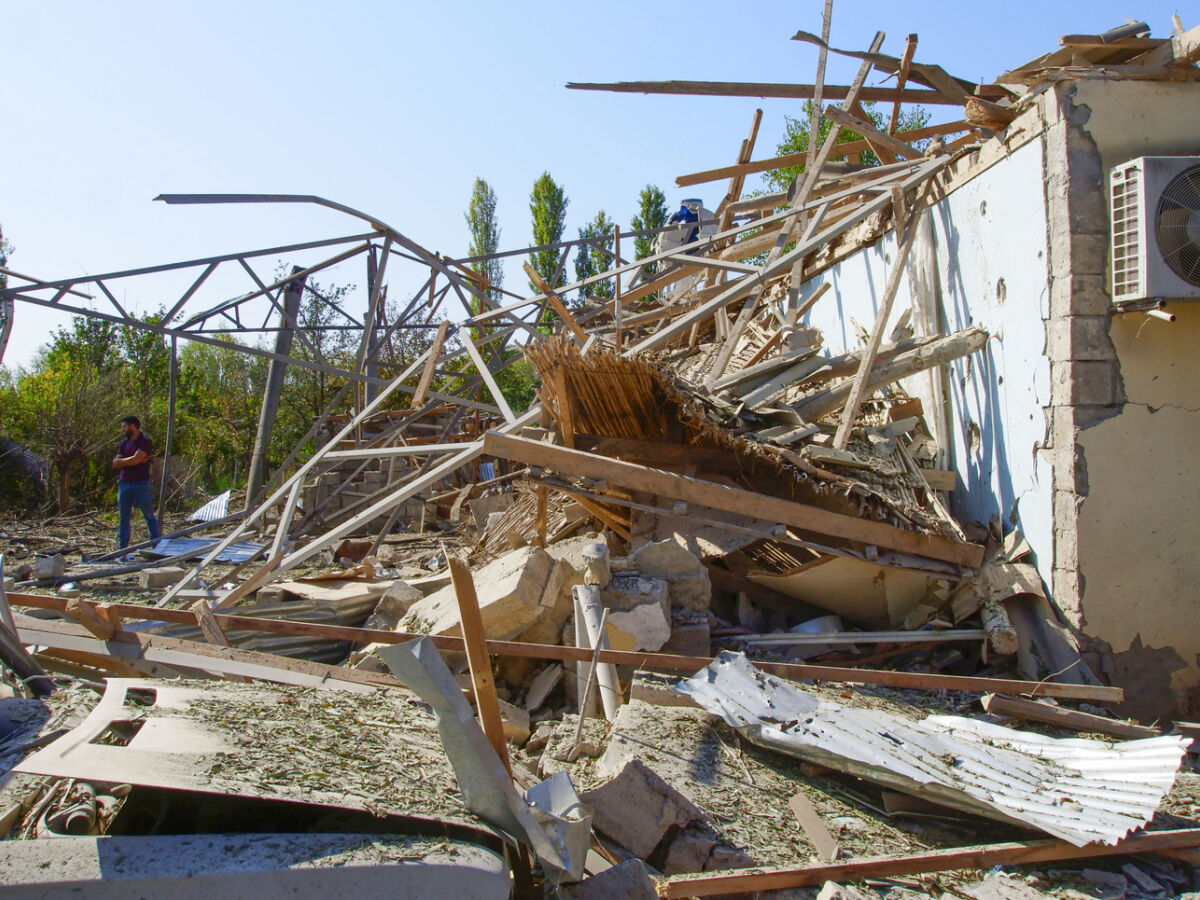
(133, 484)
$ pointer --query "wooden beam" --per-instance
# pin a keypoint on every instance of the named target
(556, 302)
(858, 387)
(1037, 711)
(661, 661)
(435, 352)
(983, 856)
(910, 47)
(814, 827)
(933, 353)
(487, 704)
(736, 500)
(766, 90)
(795, 159)
(878, 140)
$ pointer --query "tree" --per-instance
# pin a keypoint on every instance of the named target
(485, 237)
(591, 260)
(652, 213)
(548, 208)
(795, 139)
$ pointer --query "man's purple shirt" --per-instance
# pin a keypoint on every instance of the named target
(140, 472)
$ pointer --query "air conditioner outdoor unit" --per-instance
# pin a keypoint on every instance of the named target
(1155, 214)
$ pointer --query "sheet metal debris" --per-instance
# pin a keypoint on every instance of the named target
(1083, 791)
(550, 817)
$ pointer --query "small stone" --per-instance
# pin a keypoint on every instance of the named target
(49, 566)
(162, 576)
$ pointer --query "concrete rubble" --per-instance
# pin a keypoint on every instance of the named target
(727, 611)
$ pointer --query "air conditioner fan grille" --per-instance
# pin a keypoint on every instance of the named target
(1177, 225)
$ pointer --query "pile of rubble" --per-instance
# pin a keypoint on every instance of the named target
(698, 623)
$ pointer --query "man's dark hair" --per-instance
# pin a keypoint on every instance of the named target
(132, 420)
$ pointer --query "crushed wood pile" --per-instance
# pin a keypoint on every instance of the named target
(700, 622)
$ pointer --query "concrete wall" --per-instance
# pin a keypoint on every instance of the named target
(983, 261)
(1127, 404)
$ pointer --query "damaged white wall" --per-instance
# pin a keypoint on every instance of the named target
(989, 268)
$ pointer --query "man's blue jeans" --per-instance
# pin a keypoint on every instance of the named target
(130, 495)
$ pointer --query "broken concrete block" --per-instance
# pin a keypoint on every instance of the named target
(831, 890)
(629, 880)
(636, 808)
(49, 566)
(69, 591)
(688, 853)
(687, 580)
(10, 584)
(392, 606)
(271, 593)
(629, 589)
(542, 685)
(163, 576)
(515, 721)
(514, 592)
(657, 690)
(546, 630)
(690, 635)
(646, 622)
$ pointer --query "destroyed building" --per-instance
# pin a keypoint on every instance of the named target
(772, 528)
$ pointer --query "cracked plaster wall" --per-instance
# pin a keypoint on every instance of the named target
(1126, 410)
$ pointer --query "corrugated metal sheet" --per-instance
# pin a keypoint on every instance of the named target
(1083, 791)
(216, 508)
(234, 553)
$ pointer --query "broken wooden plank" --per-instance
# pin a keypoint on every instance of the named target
(878, 140)
(435, 353)
(983, 856)
(736, 500)
(1036, 711)
(557, 303)
(765, 90)
(910, 48)
(940, 479)
(795, 159)
(933, 353)
(814, 827)
(487, 704)
(858, 387)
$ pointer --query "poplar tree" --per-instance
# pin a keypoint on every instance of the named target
(591, 260)
(548, 209)
(652, 213)
(485, 236)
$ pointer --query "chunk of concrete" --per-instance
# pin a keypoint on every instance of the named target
(831, 890)
(514, 592)
(636, 808)
(542, 685)
(392, 606)
(688, 584)
(49, 566)
(629, 589)
(647, 623)
(162, 576)
(630, 880)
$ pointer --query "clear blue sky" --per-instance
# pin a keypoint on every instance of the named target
(395, 108)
